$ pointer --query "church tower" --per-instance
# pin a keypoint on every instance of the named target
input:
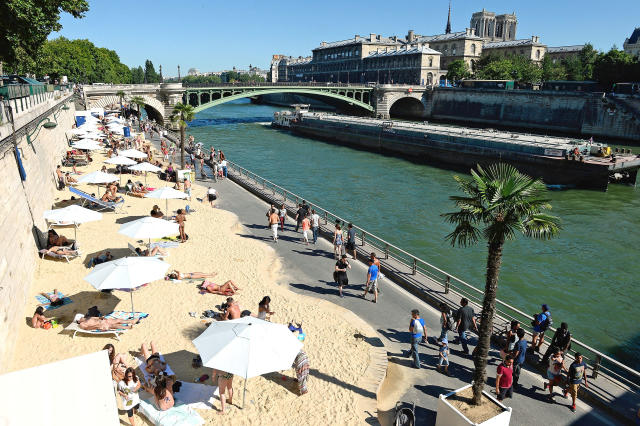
(448, 28)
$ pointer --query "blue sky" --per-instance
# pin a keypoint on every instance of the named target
(214, 35)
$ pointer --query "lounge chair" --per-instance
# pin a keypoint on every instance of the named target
(49, 253)
(75, 327)
(104, 205)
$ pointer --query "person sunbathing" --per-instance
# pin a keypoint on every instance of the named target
(53, 239)
(105, 324)
(227, 289)
(38, 319)
(101, 258)
(156, 251)
(53, 298)
(69, 179)
(63, 251)
(153, 364)
(177, 275)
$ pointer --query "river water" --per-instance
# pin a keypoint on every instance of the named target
(588, 276)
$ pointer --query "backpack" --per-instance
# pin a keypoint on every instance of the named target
(548, 322)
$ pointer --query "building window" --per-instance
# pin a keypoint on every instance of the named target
(430, 61)
(538, 54)
(473, 49)
(453, 49)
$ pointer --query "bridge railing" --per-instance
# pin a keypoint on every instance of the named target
(614, 371)
(270, 84)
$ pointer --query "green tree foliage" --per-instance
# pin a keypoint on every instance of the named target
(551, 71)
(79, 60)
(498, 204)
(150, 74)
(181, 115)
(457, 70)
(508, 68)
(615, 66)
(137, 75)
(202, 79)
(234, 76)
(26, 24)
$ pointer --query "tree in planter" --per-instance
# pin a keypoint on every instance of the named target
(500, 202)
(181, 115)
(139, 102)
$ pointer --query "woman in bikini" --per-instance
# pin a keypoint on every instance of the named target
(38, 319)
(104, 324)
(118, 366)
(224, 381)
(177, 275)
(63, 251)
(153, 364)
(227, 289)
(53, 298)
(264, 311)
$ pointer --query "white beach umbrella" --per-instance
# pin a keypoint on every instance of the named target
(98, 177)
(247, 347)
(166, 193)
(88, 144)
(145, 167)
(127, 273)
(133, 153)
(72, 214)
(122, 161)
(148, 227)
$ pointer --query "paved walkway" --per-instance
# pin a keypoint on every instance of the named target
(309, 271)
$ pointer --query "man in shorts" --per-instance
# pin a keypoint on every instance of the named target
(274, 220)
(351, 241)
(372, 280)
(577, 374)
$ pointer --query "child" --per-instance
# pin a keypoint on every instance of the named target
(38, 319)
(444, 354)
(306, 225)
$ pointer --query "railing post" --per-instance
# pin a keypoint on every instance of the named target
(596, 367)
(414, 268)
(447, 284)
(386, 251)
(364, 235)
(285, 196)
(326, 217)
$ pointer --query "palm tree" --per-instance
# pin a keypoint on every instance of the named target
(181, 115)
(500, 202)
(120, 94)
(140, 103)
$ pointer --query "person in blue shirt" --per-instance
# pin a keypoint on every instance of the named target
(540, 324)
(519, 356)
(372, 275)
(417, 330)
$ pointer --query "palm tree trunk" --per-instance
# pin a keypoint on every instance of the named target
(182, 130)
(494, 259)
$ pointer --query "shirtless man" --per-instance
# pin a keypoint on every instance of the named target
(59, 175)
(104, 324)
(232, 311)
(227, 289)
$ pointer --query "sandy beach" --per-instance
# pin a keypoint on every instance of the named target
(218, 243)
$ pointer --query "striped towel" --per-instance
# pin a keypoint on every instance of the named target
(126, 315)
(47, 303)
(165, 244)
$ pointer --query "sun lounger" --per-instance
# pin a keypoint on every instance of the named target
(75, 327)
(104, 205)
(49, 253)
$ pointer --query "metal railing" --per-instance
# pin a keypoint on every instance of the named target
(270, 84)
(616, 372)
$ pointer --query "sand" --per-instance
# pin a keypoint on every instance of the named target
(216, 244)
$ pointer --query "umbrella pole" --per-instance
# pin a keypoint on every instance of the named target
(244, 393)
(166, 208)
(131, 294)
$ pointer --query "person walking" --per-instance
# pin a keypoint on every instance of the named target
(315, 225)
(510, 339)
(504, 379)
(554, 372)
(273, 223)
(337, 242)
(300, 214)
(128, 389)
(372, 277)
(417, 330)
(268, 214)
(283, 215)
(466, 319)
(306, 225)
(351, 241)
(519, 356)
(446, 321)
(340, 273)
(443, 354)
(561, 341)
(577, 374)
(540, 323)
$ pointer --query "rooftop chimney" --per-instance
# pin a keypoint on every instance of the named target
(535, 39)
(410, 36)
(372, 36)
(357, 37)
(324, 43)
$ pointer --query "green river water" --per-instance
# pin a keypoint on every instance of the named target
(589, 275)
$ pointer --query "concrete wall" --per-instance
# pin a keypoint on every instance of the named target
(19, 203)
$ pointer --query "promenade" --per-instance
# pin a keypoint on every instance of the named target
(308, 270)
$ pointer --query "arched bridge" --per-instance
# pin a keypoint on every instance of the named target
(379, 100)
(207, 96)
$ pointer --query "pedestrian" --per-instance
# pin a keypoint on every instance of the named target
(268, 214)
(181, 218)
(554, 372)
(504, 379)
(337, 242)
(128, 389)
(203, 175)
(510, 339)
(273, 223)
(315, 225)
(212, 195)
(417, 330)
(283, 215)
(446, 321)
(540, 323)
(340, 273)
(372, 279)
(306, 225)
(376, 262)
(351, 241)
(519, 356)
(443, 354)
(300, 214)
(576, 376)
(466, 319)
(561, 341)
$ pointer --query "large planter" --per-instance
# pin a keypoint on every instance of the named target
(448, 415)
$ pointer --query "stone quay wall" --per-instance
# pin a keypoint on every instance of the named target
(22, 204)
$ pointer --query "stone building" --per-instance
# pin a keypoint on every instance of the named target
(465, 45)
(632, 44)
(490, 27)
(529, 48)
(563, 52)
(410, 64)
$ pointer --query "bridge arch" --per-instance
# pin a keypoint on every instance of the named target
(407, 107)
(153, 106)
(229, 95)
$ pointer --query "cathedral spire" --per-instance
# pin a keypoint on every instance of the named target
(448, 29)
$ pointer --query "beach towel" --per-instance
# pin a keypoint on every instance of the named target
(47, 303)
(126, 315)
(165, 244)
(195, 395)
(179, 414)
(141, 363)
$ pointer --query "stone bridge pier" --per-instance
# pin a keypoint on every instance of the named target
(402, 101)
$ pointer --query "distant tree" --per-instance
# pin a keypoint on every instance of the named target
(181, 115)
(26, 24)
(201, 79)
(615, 66)
(588, 56)
(457, 70)
(137, 75)
(120, 94)
(498, 69)
(515, 67)
(551, 71)
(150, 74)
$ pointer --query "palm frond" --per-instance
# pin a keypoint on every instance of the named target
(542, 226)
(464, 235)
